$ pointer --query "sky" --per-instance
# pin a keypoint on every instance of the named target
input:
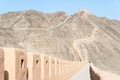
(102, 8)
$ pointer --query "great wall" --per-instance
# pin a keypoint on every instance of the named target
(17, 64)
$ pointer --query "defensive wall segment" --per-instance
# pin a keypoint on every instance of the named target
(17, 64)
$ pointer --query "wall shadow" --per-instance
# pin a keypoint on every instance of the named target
(27, 75)
(93, 75)
(6, 75)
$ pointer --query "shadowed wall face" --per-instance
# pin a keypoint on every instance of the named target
(36, 67)
(57, 69)
(6, 75)
(46, 68)
(21, 65)
(15, 64)
(61, 70)
(93, 75)
(1, 64)
(52, 69)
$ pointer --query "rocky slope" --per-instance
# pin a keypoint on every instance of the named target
(77, 37)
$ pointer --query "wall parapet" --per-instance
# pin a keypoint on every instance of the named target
(98, 74)
(17, 64)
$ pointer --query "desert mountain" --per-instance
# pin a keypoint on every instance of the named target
(73, 37)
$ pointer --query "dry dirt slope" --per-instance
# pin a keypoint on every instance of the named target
(72, 37)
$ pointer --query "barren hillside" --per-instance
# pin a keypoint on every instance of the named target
(72, 37)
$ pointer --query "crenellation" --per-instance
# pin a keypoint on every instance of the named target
(17, 64)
